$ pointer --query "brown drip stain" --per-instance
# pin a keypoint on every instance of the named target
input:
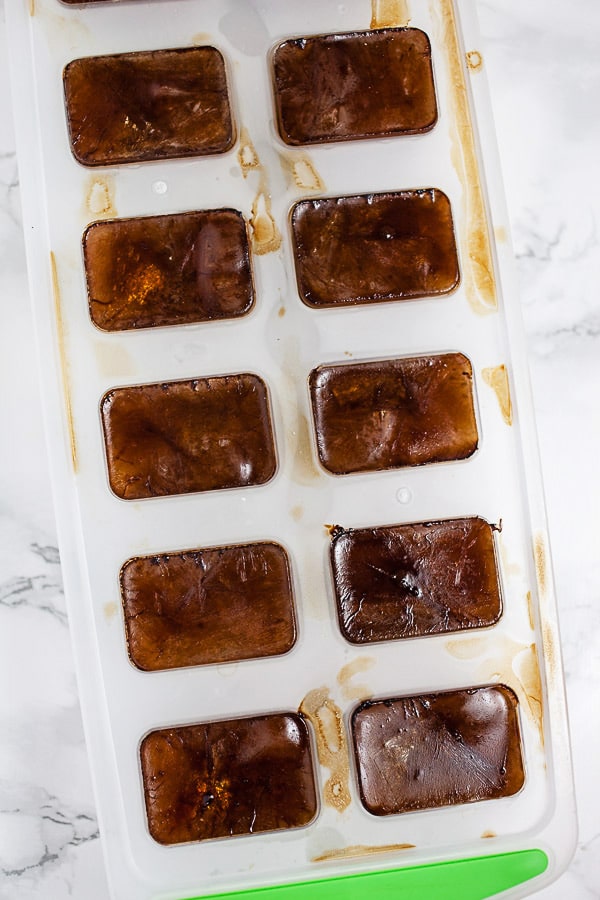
(281, 312)
(314, 597)
(110, 611)
(474, 60)
(489, 834)
(468, 649)
(64, 366)
(389, 13)
(247, 155)
(529, 599)
(347, 673)
(501, 234)
(300, 438)
(541, 563)
(510, 662)
(266, 237)
(32, 7)
(113, 360)
(304, 466)
(480, 282)
(63, 27)
(326, 718)
(509, 567)
(528, 672)
(201, 37)
(357, 850)
(99, 198)
(303, 172)
(496, 377)
(297, 512)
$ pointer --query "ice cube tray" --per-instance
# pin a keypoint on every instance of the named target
(454, 300)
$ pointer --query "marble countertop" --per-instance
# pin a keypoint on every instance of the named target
(543, 65)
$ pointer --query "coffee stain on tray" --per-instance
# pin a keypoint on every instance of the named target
(357, 850)
(110, 611)
(527, 668)
(508, 662)
(247, 155)
(541, 563)
(474, 60)
(469, 648)
(69, 29)
(509, 567)
(529, 599)
(305, 469)
(64, 365)
(496, 377)
(488, 834)
(31, 7)
(302, 172)
(99, 197)
(346, 674)
(113, 360)
(477, 253)
(389, 13)
(266, 237)
(332, 747)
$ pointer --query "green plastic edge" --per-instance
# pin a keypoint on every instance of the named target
(464, 879)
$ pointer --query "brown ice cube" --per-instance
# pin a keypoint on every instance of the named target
(185, 436)
(374, 247)
(402, 581)
(168, 270)
(341, 87)
(438, 749)
(208, 606)
(157, 104)
(220, 779)
(393, 413)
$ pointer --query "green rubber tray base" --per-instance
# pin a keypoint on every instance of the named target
(464, 879)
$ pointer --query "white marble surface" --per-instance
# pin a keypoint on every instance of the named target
(544, 67)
